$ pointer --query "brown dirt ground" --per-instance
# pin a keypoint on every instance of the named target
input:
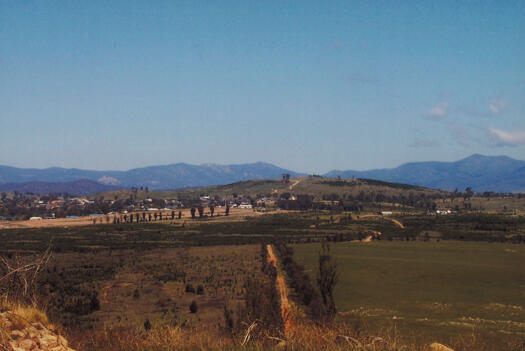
(235, 214)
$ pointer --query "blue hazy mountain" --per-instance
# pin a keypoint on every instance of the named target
(482, 173)
(174, 176)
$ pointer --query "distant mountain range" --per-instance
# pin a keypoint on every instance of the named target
(75, 187)
(175, 176)
(482, 173)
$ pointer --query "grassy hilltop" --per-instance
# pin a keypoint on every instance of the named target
(301, 185)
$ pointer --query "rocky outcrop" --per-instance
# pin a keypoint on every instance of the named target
(30, 336)
(439, 347)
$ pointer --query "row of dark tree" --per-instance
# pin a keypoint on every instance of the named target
(320, 301)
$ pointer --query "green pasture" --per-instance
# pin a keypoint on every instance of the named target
(436, 291)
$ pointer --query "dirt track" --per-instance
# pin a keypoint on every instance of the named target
(283, 292)
(398, 223)
(294, 184)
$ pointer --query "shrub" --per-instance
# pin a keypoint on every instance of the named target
(190, 289)
(147, 324)
(136, 294)
(200, 290)
(193, 307)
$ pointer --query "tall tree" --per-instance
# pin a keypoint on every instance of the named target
(327, 278)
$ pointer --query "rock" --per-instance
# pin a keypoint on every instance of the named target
(34, 337)
(17, 334)
(49, 340)
(62, 340)
(26, 344)
(439, 347)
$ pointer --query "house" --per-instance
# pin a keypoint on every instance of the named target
(245, 205)
(386, 213)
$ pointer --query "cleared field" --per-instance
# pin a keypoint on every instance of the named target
(430, 291)
(124, 288)
(235, 213)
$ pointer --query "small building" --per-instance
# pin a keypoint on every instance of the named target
(386, 213)
(245, 205)
(35, 218)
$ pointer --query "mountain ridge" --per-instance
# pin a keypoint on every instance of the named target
(481, 173)
(161, 177)
(76, 187)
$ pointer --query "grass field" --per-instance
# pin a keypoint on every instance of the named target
(430, 291)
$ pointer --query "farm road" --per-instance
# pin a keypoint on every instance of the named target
(282, 290)
(395, 221)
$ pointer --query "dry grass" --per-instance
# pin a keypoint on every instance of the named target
(20, 316)
(306, 337)
(14, 316)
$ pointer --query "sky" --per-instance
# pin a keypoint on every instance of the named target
(309, 86)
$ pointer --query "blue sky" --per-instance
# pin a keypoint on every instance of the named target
(310, 86)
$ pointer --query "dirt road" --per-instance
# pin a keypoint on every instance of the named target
(395, 221)
(294, 184)
(283, 292)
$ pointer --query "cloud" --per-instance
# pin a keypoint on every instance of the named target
(423, 143)
(439, 111)
(504, 138)
(497, 106)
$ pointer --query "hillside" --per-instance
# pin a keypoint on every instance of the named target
(317, 187)
(174, 176)
(76, 187)
(482, 173)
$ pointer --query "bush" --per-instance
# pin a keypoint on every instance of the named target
(193, 307)
(147, 325)
(190, 289)
(136, 294)
(200, 290)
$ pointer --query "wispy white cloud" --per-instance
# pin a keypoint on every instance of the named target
(497, 106)
(503, 137)
(494, 107)
(439, 111)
